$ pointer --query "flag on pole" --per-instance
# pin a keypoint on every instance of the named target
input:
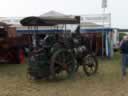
(104, 3)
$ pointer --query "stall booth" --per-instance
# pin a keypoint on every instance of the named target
(100, 40)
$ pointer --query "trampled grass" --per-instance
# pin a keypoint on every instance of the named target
(107, 82)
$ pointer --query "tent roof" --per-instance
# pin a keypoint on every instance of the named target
(52, 13)
(4, 24)
(55, 15)
(90, 25)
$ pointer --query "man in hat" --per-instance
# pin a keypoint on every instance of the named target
(124, 52)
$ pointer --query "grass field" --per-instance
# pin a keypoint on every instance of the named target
(107, 82)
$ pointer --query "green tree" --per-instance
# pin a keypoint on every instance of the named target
(121, 35)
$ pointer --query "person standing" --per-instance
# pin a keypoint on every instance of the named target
(124, 52)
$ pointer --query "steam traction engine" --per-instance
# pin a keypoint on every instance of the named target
(58, 55)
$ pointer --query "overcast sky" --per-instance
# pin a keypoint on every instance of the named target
(118, 8)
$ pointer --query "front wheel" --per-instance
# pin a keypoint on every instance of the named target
(90, 64)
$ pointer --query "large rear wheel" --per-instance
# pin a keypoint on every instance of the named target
(62, 64)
